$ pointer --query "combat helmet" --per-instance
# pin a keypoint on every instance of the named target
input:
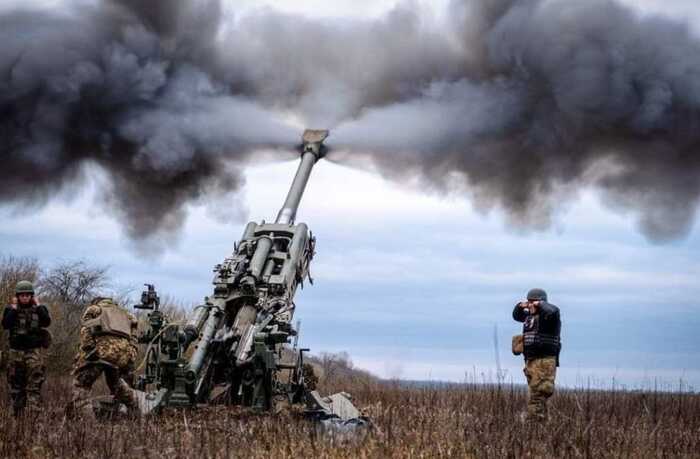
(536, 294)
(24, 287)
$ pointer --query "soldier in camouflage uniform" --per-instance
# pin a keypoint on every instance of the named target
(26, 322)
(541, 347)
(108, 345)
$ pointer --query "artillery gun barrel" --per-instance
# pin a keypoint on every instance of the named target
(255, 287)
(195, 324)
(197, 360)
(312, 151)
(257, 263)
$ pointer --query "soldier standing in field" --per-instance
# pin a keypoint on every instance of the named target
(541, 344)
(108, 345)
(26, 321)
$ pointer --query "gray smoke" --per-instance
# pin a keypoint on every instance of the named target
(553, 96)
(126, 85)
(331, 70)
(519, 104)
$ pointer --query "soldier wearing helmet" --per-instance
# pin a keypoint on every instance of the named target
(541, 344)
(108, 345)
(26, 321)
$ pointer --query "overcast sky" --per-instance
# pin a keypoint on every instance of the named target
(413, 284)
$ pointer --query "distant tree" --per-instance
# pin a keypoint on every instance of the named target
(174, 309)
(334, 365)
(67, 289)
(337, 372)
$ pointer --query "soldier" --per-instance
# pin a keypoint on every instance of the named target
(26, 320)
(108, 345)
(541, 347)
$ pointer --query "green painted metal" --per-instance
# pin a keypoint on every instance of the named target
(242, 329)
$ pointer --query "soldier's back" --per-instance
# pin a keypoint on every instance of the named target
(110, 327)
(116, 351)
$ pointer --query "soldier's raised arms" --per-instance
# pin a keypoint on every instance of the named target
(9, 317)
(548, 311)
(521, 311)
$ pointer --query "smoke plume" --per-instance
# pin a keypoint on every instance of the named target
(517, 103)
(552, 96)
(126, 85)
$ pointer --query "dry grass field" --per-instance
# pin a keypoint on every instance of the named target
(456, 421)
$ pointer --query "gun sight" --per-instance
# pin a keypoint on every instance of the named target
(149, 298)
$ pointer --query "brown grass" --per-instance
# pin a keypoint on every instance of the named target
(458, 421)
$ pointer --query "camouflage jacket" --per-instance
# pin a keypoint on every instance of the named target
(118, 351)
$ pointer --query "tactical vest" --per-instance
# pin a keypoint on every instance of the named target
(533, 338)
(113, 321)
(27, 322)
(535, 342)
(26, 332)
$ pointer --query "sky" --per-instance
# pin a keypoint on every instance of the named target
(418, 285)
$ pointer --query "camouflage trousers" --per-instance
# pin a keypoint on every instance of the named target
(26, 373)
(540, 374)
(85, 376)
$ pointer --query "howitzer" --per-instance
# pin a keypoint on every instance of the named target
(241, 332)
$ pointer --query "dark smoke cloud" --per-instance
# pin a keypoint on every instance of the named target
(520, 104)
(126, 85)
(554, 95)
(517, 103)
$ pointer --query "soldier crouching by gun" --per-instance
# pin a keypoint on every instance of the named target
(26, 320)
(107, 345)
(540, 344)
